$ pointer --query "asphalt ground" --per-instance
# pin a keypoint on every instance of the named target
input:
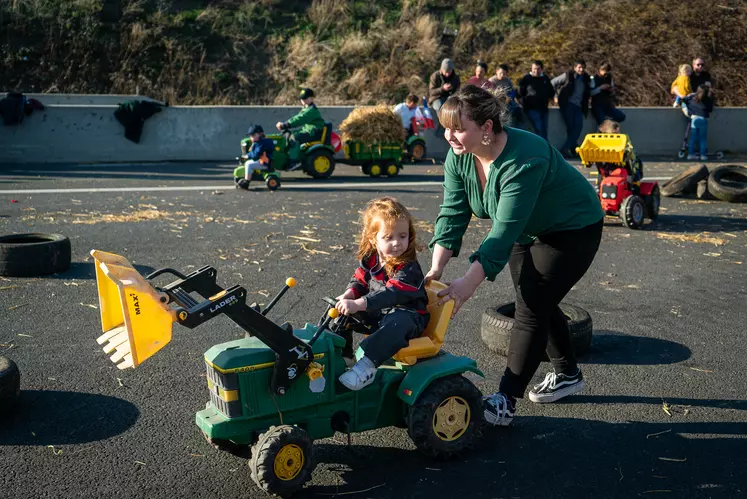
(664, 412)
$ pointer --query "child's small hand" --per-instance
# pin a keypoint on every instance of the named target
(349, 307)
(347, 295)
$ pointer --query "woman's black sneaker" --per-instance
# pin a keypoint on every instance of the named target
(556, 386)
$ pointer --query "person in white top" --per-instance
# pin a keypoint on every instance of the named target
(407, 111)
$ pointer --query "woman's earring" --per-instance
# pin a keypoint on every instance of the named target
(486, 139)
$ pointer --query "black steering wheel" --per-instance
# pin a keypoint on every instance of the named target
(356, 318)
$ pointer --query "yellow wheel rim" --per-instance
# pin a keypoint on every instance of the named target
(451, 419)
(392, 170)
(418, 151)
(322, 164)
(289, 462)
(375, 170)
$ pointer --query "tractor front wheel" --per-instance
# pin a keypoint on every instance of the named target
(632, 212)
(282, 460)
(447, 417)
(272, 182)
(416, 151)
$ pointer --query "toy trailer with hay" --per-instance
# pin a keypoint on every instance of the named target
(375, 159)
(373, 138)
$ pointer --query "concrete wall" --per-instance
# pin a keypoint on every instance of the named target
(89, 133)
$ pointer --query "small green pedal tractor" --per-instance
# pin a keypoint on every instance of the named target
(317, 158)
(276, 389)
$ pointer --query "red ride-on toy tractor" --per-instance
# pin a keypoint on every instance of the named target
(621, 190)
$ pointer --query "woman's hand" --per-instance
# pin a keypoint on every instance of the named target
(433, 275)
(349, 307)
(459, 290)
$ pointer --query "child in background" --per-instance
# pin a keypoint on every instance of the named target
(407, 111)
(681, 86)
(634, 166)
(699, 106)
(258, 157)
(388, 286)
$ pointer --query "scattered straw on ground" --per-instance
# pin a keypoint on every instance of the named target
(693, 238)
(135, 216)
(372, 125)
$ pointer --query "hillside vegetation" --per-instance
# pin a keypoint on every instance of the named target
(261, 51)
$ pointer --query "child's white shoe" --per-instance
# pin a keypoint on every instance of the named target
(703, 157)
(692, 157)
(360, 375)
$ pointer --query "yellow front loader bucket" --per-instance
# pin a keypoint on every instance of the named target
(135, 318)
(603, 148)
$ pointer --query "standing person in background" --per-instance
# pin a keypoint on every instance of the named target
(603, 96)
(505, 86)
(573, 89)
(699, 76)
(699, 106)
(535, 93)
(480, 79)
(443, 84)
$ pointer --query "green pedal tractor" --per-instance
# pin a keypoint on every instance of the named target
(317, 158)
(276, 389)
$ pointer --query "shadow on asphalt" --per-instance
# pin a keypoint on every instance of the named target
(45, 417)
(86, 270)
(611, 347)
(599, 459)
(696, 223)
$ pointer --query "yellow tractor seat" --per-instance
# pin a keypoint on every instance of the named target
(429, 343)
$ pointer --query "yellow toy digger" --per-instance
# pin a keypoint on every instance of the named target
(269, 389)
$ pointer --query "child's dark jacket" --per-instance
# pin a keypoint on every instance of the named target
(404, 289)
(261, 150)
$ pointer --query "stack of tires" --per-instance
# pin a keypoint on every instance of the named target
(726, 183)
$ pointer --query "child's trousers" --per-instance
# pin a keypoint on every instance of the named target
(698, 135)
(394, 332)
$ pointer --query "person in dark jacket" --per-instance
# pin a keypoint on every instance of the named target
(603, 96)
(388, 286)
(535, 93)
(700, 76)
(699, 106)
(259, 155)
(311, 122)
(572, 90)
(443, 84)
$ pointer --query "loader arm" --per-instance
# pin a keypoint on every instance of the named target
(137, 317)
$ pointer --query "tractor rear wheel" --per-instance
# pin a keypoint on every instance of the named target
(653, 201)
(447, 417)
(416, 151)
(319, 163)
(282, 460)
(632, 212)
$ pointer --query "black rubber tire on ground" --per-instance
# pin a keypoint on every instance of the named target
(272, 183)
(498, 323)
(10, 385)
(653, 202)
(729, 183)
(366, 168)
(633, 212)
(29, 255)
(296, 443)
(376, 169)
(312, 157)
(446, 419)
(686, 182)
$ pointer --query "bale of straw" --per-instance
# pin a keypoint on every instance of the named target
(372, 125)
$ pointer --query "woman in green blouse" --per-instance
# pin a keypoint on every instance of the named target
(547, 225)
